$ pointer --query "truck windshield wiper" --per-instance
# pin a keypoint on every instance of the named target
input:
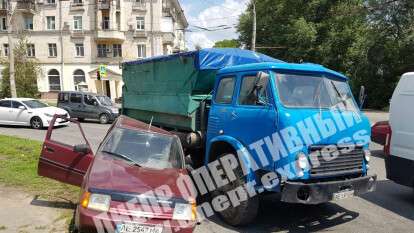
(342, 100)
(123, 157)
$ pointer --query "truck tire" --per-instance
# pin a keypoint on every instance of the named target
(247, 211)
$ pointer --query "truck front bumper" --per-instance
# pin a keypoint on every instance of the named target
(320, 192)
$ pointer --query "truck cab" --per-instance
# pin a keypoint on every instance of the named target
(299, 121)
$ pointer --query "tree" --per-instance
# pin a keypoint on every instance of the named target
(371, 41)
(227, 44)
(27, 72)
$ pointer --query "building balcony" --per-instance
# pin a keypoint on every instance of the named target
(76, 6)
(104, 5)
(137, 6)
(168, 38)
(26, 6)
(77, 34)
(110, 35)
(140, 34)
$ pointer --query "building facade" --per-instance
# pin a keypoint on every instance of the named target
(71, 39)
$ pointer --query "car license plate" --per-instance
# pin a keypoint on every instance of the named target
(137, 228)
(343, 194)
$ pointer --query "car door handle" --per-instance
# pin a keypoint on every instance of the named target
(48, 149)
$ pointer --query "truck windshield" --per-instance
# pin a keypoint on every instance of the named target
(145, 149)
(310, 91)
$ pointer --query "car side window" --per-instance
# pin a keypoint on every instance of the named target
(251, 95)
(225, 90)
(5, 103)
(75, 98)
(63, 97)
(89, 100)
(16, 104)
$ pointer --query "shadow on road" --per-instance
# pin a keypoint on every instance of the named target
(377, 153)
(393, 197)
(60, 204)
(279, 216)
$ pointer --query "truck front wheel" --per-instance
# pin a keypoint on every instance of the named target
(246, 211)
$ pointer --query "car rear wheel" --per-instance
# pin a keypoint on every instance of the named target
(246, 211)
(36, 123)
(104, 118)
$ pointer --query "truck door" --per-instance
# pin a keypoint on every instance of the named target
(253, 116)
(220, 109)
(63, 162)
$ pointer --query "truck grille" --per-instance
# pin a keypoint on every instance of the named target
(335, 162)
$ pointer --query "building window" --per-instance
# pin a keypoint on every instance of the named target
(117, 48)
(3, 24)
(31, 52)
(77, 22)
(28, 23)
(101, 50)
(140, 23)
(6, 50)
(52, 50)
(51, 2)
(54, 80)
(79, 80)
(77, 2)
(51, 23)
(105, 23)
(142, 51)
(80, 52)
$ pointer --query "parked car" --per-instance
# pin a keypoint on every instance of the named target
(29, 112)
(132, 161)
(83, 105)
(399, 143)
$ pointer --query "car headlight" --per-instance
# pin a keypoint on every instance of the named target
(367, 155)
(185, 212)
(93, 201)
(48, 114)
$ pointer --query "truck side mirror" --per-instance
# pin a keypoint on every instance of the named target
(261, 81)
(81, 149)
(361, 97)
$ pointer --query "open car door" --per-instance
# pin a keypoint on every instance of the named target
(63, 162)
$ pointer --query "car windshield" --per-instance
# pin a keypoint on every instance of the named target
(35, 104)
(310, 91)
(145, 149)
(104, 100)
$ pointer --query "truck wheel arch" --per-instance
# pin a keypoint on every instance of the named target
(226, 144)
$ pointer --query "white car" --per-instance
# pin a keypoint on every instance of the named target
(29, 112)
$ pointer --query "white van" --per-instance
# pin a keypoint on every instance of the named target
(400, 161)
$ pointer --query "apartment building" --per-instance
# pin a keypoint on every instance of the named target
(71, 39)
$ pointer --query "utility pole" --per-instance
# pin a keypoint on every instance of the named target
(62, 61)
(13, 91)
(254, 26)
(152, 27)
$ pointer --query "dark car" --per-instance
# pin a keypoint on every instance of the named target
(83, 105)
(119, 184)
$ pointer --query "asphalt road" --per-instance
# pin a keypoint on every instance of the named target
(389, 209)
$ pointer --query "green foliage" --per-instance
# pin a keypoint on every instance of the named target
(27, 70)
(227, 44)
(371, 41)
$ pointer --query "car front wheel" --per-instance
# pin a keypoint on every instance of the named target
(104, 118)
(36, 123)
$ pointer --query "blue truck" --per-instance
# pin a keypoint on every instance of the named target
(297, 121)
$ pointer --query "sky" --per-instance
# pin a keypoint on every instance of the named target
(211, 14)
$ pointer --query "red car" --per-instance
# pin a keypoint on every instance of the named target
(130, 185)
(381, 134)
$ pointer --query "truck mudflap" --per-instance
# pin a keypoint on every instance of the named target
(321, 192)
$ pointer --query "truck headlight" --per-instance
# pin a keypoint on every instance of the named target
(187, 212)
(95, 201)
(367, 155)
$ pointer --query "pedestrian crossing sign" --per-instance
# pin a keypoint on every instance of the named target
(102, 71)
